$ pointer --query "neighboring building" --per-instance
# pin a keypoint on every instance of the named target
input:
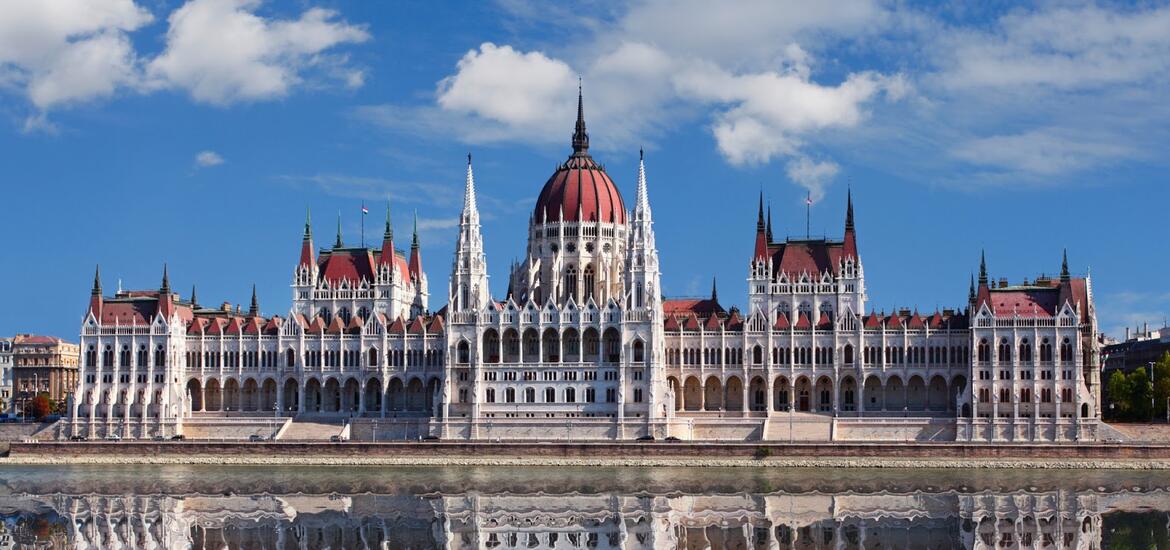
(43, 364)
(584, 346)
(1139, 349)
(5, 374)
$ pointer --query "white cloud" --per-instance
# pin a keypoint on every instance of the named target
(812, 175)
(206, 159)
(221, 52)
(1041, 152)
(517, 93)
(59, 52)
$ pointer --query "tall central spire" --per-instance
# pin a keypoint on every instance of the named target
(580, 136)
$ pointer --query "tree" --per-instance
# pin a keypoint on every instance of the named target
(39, 407)
(1139, 394)
(1161, 385)
(1117, 389)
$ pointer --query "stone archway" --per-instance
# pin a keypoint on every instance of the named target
(758, 394)
(373, 396)
(781, 394)
(692, 394)
(195, 392)
(804, 400)
(733, 394)
(713, 394)
(291, 395)
(313, 396)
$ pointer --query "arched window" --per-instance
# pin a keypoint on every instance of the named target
(160, 356)
(590, 280)
(1066, 351)
(984, 351)
(530, 395)
(639, 351)
(124, 357)
(757, 355)
(510, 395)
(290, 358)
(1045, 351)
(464, 353)
(1005, 351)
(363, 313)
(343, 313)
(142, 355)
(324, 314)
(570, 395)
(372, 359)
(848, 354)
(550, 395)
(571, 283)
(1025, 350)
(108, 357)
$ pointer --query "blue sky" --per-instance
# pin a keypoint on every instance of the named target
(197, 133)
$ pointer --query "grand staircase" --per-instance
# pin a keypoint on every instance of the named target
(313, 429)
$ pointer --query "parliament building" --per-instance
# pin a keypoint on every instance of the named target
(584, 346)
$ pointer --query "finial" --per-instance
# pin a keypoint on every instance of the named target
(414, 242)
(308, 224)
(97, 280)
(760, 216)
(641, 154)
(339, 242)
(254, 309)
(166, 282)
(1064, 274)
(469, 158)
(849, 210)
(194, 300)
(982, 267)
(714, 292)
(769, 222)
(971, 289)
(580, 136)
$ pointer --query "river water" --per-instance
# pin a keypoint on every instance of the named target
(587, 508)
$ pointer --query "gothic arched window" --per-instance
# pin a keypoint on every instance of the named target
(589, 281)
(571, 283)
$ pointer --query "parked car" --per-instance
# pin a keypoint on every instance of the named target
(336, 439)
(672, 439)
(158, 438)
(255, 437)
(430, 438)
(113, 437)
(77, 438)
(645, 438)
(178, 437)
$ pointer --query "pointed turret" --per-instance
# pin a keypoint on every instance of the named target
(642, 197)
(971, 289)
(339, 242)
(714, 291)
(254, 309)
(307, 241)
(642, 279)
(761, 232)
(769, 231)
(982, 268)
(850, 233)
(1064, 274)
(415, 256)
(194, 299)
(580, 136)
(95, 295)
(387, 255)
(469, 281)
(166, 304)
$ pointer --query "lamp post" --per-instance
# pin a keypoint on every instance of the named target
(1151, 392)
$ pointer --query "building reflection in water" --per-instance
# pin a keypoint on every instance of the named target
(947, 519)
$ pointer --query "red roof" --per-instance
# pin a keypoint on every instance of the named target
(782, 322)
(582, 190)
(350, 264)
(806, 256)
(712, 323)
(416, 326)
(703, 307)
(1042, 299)
(691, 322)
(734, 321)
(803, 322)
(671, 323)
(436, 325)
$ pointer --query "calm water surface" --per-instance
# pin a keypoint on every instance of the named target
(586, 508)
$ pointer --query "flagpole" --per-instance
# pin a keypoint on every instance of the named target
(363, 224)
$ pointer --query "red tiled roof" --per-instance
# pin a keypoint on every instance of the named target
(399, 325)
(671, 323)
(712, 323)
(583, 191)
(691, 322)
(416, 326)
(436, 325)
(349, 264)
(873, 321)
(702, 307)
(825, 322)
(734, 321)
(803, 322)
(806, 256)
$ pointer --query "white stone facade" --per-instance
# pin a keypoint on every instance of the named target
(584, 346)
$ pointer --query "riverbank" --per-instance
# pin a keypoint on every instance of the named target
(602, 454)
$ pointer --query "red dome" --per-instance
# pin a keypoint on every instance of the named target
(580, 187)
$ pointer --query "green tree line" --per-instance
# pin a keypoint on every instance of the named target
(1129, 395)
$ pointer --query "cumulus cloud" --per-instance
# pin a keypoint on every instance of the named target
(517, 93)
(59, 52)
(207, 159)
(221, 52)
(812, 175)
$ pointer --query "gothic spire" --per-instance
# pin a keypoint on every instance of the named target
(642, 198)
(194, 300)
(770, 222)
(339, 242)
(308, 224)
(97, 280)
(982, 268)
(971, 289)
(760, 216)
(714, 292)
(166, 282)
(849, 211)
(388, 233)
(414, 238)
(1064, 274)
(254, 309)
(470, 207)
(580, 136)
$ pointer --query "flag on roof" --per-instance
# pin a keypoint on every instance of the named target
(365, 210)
